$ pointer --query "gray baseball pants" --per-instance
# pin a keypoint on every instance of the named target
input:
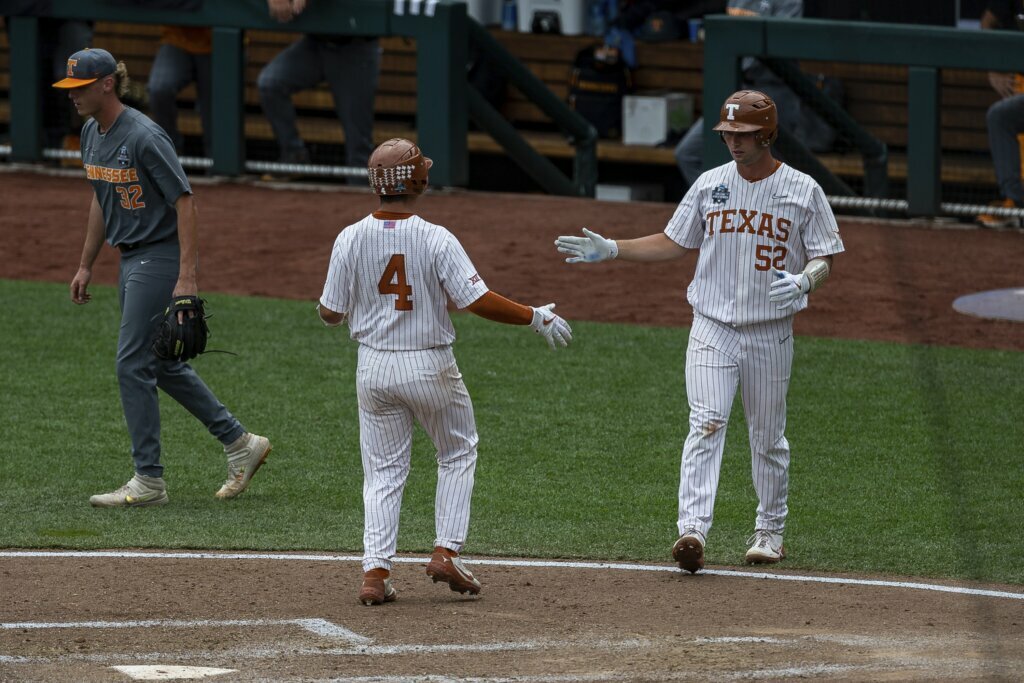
(147, 278)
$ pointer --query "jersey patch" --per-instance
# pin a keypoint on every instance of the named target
(720, 195)
(122, 156)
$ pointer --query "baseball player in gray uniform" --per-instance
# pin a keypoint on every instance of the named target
(143, 205)
(391, 276)
(766, 237)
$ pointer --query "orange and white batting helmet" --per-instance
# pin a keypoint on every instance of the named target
(398, 167)
(750, 111)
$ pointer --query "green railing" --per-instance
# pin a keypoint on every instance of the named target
(581, 134)
(442, 53)
(440, 63)
(925, 50)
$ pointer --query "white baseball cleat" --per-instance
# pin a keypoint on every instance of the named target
(140, 491)
(765, 547)
(245, 456)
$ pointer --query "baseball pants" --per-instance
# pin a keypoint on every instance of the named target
(172, 70)
(1005, 121)
(719, 358)
(351, 71)
(394, 389)
(147, 279)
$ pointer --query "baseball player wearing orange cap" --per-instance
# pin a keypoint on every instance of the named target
(391, 276)
(766, 237)
(143, 205)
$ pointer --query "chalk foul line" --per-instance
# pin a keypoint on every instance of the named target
(959, 590)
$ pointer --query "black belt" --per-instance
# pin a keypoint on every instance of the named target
(126, 247)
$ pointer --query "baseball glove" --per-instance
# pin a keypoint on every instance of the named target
(182, 341)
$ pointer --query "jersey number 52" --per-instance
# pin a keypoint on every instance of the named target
(393, 281)
(763, 257)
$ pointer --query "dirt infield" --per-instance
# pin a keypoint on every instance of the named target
(74, 617)
(297, 619)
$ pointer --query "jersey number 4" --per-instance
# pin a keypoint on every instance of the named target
(131, 196)
(763, 257)
(393, 281)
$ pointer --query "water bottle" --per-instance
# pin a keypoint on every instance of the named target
(508, 15)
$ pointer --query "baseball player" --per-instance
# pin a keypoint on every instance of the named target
(143, 205)
(766, 238)
(391, 276)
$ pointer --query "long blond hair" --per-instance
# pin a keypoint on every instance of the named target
(121, 80)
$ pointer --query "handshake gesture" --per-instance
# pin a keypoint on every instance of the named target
(589, 249)
(552, 327)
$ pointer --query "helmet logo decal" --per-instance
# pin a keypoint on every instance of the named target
(732, 107)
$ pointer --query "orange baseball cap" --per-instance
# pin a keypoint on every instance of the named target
(87, 66)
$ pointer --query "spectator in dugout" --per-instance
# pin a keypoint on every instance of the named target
(689, 152)
(349, 64)
(183, 58)
(1005, 118)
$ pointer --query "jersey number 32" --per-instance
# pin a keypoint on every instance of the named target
(394, 281)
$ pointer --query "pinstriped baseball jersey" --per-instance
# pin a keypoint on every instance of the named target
(393, 279)
(745, 229)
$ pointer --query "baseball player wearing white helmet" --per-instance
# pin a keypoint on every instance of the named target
(391, 276)
(766, 237)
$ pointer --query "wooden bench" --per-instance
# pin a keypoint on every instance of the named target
(876, 97)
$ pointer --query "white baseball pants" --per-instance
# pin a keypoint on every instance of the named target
(394, 388)
(758, 358)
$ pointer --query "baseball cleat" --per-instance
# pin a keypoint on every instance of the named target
(446, 565)
(765, 547)
(689, 551)
(245, 456)
(140, 491)
(988, 220)
(377, 588)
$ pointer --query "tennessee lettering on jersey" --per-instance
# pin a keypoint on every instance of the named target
(111, 175)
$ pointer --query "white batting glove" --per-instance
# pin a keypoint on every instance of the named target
(589, 249)
(552, 327)
(787, 287)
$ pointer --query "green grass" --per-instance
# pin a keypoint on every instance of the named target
(906, 459)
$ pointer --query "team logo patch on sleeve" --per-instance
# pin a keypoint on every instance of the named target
(720, 195)
(122, 156)
(474, 279)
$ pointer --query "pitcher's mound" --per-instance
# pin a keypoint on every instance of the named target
(1000, 304)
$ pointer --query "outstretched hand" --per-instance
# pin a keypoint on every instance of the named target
(552, 327)
(589, 249)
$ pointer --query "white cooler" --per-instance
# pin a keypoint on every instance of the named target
(571, 14)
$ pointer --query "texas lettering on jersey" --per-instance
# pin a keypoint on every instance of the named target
(753, 222)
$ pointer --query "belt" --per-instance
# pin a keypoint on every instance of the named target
(126, 247)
